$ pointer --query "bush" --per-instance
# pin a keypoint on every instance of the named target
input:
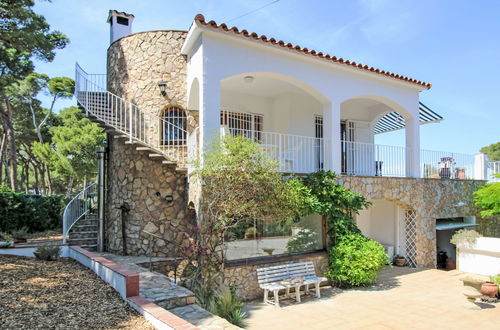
(355, 261)
(227, 305)
(305, 240)
(34, 212)
(47, 252)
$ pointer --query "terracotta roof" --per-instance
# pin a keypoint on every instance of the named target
(111, 11)
(245, 34)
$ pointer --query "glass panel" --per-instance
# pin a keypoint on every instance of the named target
(258, 238)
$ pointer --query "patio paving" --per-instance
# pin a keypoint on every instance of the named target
(401, 298)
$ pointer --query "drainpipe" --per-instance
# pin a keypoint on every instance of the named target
(125, 209)
(100, 197)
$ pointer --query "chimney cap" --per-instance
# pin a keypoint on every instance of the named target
(113, 12)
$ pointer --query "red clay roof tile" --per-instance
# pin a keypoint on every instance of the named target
(201, 19)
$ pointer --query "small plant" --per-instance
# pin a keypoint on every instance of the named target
(251, 231)
(355, 261)
(305, 240)
(47, 252)
(227, 305)
(465, 237)
(21, 233)
(399, 260)
(5, 240)
(495, 279)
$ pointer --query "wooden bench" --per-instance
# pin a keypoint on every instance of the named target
(283, 277)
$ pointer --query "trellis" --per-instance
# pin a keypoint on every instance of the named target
(411, 237)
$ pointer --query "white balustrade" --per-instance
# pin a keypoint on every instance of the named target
(450, 165)
(83, 203)
(493, 170)
(161, 135)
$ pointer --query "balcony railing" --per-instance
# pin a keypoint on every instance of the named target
(294, 153)
(493, 169)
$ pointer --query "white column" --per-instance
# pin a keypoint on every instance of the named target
(481, 167)
(331, 116)
(209, 112)
(412, 133)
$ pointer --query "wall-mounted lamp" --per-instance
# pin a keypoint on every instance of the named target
(248, 79)
(163, 88)
(169, 198)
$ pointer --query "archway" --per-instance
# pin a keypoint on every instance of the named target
(362, 119)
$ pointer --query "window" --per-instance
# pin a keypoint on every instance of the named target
(173, 126)
(244, 124)
(259, 239)
(319, 143)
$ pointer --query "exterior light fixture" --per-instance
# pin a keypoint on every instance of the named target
(248, 79)
(163, 88)
(169, 198)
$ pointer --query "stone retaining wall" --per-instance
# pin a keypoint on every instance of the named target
(430, 198)
(244, 277)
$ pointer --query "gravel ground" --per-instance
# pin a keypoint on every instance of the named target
(61, 294)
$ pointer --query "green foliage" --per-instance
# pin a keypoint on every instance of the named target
(493, 151)
(20, 233)
(47, 252)
(228, 306)
(305, 240)
(487, 198)
(495, 279)
(337, 203)
(34, 212)
(355, 261)
(465, 237)
(25, 35)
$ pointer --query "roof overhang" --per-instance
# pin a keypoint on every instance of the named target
(199, 26)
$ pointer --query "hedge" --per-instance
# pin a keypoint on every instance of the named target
(35, 212)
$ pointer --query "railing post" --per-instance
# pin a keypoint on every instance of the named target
(100, 197)
(481, 167)
(130, 122)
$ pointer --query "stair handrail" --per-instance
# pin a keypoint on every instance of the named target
(128, 118)
(80, 205)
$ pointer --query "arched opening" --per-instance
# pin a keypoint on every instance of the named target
(173, 126)
(280, 112)
(363, 119)
(392, 224)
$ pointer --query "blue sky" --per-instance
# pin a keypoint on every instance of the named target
(454, 44)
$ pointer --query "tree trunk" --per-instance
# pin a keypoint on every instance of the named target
(27, 175)
(2, 152)
(35, 172)
(6, 118)
(70, 188)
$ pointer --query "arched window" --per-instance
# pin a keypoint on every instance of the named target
(173, 124)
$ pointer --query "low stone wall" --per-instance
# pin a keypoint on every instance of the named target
(490, 226)
(431, 199)
(244, 276)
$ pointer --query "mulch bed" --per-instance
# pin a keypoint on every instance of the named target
(60, 294)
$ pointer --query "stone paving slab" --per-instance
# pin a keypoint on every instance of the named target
(161, 290)
(401, 298)
(202, 318)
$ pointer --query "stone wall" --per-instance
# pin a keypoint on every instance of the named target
(489, 227)
(143, 183)
(244, 276)
(430, 198)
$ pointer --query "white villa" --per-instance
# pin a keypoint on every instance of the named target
(167, 94)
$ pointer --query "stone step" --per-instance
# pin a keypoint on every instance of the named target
(181, 169)
(82, 241)
(168, 162)
(201, 318)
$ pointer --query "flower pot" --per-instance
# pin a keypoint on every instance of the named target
(400, 261)
(489, 289)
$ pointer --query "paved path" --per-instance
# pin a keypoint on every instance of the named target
(403, 298)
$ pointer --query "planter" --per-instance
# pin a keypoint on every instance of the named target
(249, 236)
(489, 289)
(18, 240)
(399, 261)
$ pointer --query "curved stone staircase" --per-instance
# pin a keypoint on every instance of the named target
(128, 122)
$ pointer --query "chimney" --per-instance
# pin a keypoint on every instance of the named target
(120, 25)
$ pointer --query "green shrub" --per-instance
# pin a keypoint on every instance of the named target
(227, 305)
(34, 212)
(47, 252)
(355, 261)
(305, 240)
(465, 237)
(495, 279)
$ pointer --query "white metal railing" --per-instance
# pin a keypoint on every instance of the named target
(83, 203)
(372, 159)
(493, 169)
(442, 164)
(294, 153)
(160, 134)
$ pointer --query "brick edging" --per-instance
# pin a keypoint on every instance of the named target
(145, 307)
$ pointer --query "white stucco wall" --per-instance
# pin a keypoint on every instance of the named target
(224, 56)
(482, 258)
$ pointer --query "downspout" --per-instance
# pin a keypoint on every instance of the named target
(100, 196)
